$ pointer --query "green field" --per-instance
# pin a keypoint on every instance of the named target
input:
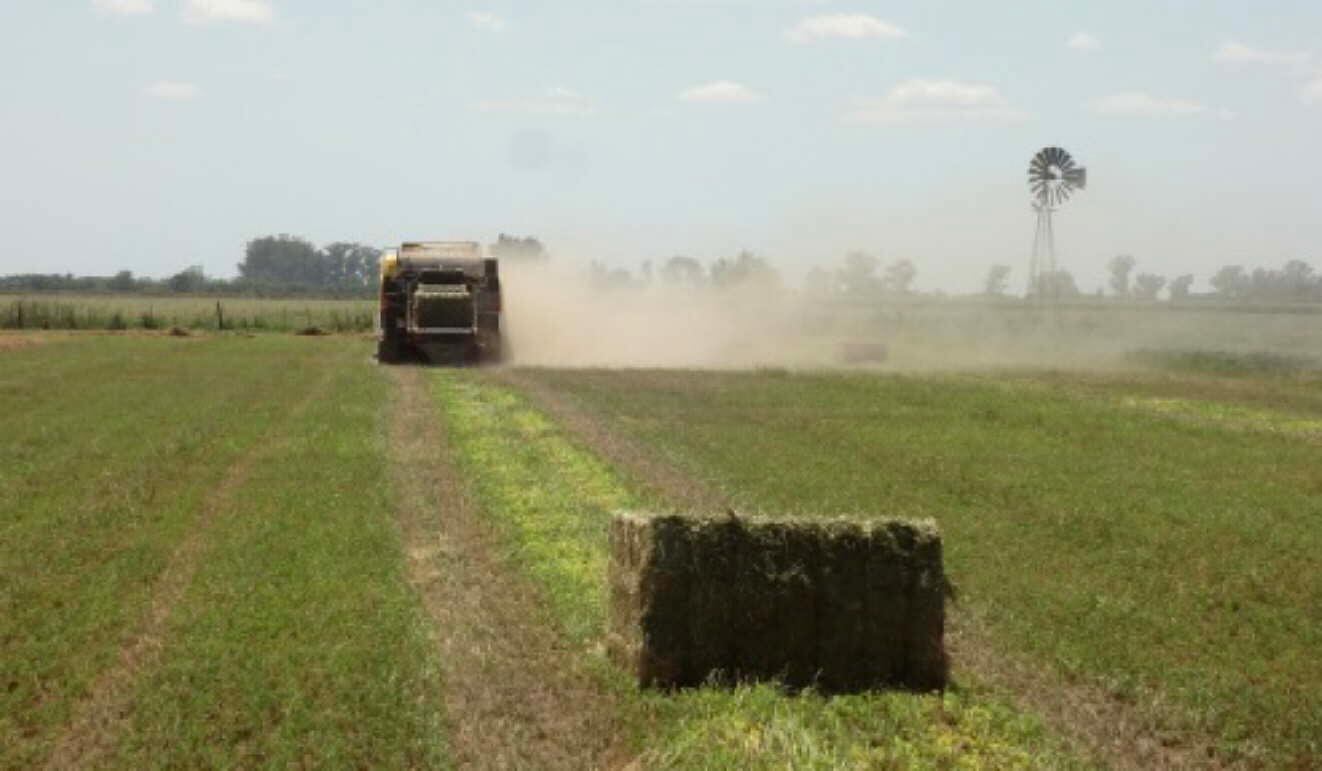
(80, 311)
(1165, 547)
(240, 482)
(206, 557)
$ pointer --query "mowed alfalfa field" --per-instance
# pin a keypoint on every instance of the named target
(255, 551)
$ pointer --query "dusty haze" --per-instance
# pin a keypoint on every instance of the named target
(556, 317)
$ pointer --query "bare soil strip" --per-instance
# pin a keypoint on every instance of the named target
(517, 694)
(12, 341)
(1110, 731)
(99, 718)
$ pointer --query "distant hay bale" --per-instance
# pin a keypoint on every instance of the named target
(833, 604)
(857, 352)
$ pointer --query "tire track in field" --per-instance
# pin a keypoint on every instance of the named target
(1096, 725)
(99, 718)
(642, 464)
(517, 695)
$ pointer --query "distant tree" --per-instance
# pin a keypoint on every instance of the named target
(189, 280)
(899, 277)
(1298, 282)
(746, 269)
(682, 271)
(122, 281)
(1148, 285)
(998, 279)
(1180, 286)
(603, 277)
(351, 265)
(517, 249)
(1231, 283)
(1119, 268)
(858, 275)
(284, 259)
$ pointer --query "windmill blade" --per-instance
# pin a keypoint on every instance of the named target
(1053, 176)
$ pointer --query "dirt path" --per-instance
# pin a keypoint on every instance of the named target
(99, 718)
(1111, 732)
(516, 695)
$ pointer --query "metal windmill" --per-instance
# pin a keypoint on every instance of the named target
(1052, 177)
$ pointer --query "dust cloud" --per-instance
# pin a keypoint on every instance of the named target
(560, 317)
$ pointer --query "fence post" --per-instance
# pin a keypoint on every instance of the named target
(220, 316)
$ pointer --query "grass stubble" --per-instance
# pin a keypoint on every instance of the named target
(407, 569)
(1162, 569)
(549, 498)
(201, 566)
(516, 694)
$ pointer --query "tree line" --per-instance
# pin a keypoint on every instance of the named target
(281, 265)
(1295, 282)
(275, 265)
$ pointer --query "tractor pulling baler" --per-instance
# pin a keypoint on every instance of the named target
(440, 302)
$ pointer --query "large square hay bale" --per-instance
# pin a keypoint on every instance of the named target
(840, 605)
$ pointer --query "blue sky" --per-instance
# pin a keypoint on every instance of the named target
(155, 134)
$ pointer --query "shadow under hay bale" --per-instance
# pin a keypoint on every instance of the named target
(832, 604)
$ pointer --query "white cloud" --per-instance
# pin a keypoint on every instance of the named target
(1290, 64)
(852, 26)
(555, 101)
(1233, 53)
(1138, 104)
(171, 90)
(725, 91)
(1082, 41)
(1312, 93)
(124, 7)
(937, 101)
(247, 11)
(486, 21)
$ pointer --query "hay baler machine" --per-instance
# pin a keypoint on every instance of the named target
(440, 302)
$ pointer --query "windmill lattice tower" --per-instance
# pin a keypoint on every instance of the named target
(1052, 177)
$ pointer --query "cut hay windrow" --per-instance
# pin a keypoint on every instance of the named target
(838, 605)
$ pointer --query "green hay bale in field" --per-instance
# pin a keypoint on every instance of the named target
(927, 666)
(713, 566)
(842, 648)
(834, 604)
(775, 604)
(906, 605)
(648, 579)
